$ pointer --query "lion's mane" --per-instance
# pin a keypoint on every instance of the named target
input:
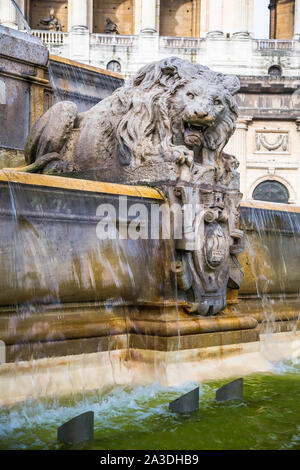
(139, 122)
(146, 98)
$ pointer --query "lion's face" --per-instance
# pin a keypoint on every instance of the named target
(197, 107)
(174, 103)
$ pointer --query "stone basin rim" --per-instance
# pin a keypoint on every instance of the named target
(19, 177)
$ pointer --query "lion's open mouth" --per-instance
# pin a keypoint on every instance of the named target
(193, 125)
(194, 130)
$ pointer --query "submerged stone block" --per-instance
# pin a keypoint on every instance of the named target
(232, 391)
(187, 403)
(77, 430)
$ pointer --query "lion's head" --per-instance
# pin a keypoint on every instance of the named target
(172, 103)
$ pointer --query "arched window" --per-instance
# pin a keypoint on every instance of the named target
(274, 71)
(114, 66)
(271, 191)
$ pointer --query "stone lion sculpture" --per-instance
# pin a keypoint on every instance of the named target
(172, 113)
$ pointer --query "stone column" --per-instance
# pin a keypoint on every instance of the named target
(241, 14)
(79, 36)
(8, 14)
(90, 15)
(297, 20)
(78, 14)
(215, 18)
(149, 16)
(237, 146)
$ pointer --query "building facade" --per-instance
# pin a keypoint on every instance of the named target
(282, 19)
(216, 33)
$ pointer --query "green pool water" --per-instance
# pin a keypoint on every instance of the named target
(138, 417)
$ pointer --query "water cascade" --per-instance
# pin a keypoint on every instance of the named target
(130, 271)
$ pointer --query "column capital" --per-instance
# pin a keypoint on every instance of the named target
(243, 122)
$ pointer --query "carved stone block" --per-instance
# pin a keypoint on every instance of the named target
(167, 126)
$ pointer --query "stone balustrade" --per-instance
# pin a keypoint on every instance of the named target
(50, 37)
(58, 37)
(174, 42)
(256, 56)
(113, 39)
(274, 45)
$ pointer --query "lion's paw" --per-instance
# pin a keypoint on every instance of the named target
(184, 156)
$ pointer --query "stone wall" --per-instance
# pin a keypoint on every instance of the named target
(28, 88)
(23, 63)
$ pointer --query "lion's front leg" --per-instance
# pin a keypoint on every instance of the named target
(183, 157)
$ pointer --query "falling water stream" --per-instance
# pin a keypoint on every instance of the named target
(272, 243)
(137, 416)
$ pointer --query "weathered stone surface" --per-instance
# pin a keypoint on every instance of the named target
(169, 115)
(11, 158)
(26, 91)
(22, 46)
(52, 253)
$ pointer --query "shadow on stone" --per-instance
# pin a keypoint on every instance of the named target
(231, 391)
(77, 430)
(187, 403)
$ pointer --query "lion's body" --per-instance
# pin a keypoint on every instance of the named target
(170, 111)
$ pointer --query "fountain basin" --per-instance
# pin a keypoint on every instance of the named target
(103, 312)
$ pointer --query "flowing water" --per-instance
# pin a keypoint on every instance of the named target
(138, 417)
(83, 86)
(272, 260)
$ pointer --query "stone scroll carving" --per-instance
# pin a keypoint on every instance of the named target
(167, 126)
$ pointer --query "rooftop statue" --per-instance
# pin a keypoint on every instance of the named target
(111, 27)
(167, 126)
(51, 23)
